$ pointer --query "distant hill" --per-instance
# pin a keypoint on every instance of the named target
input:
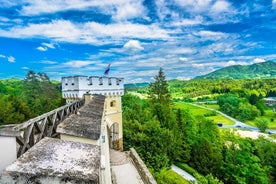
(135, 86)
(258, 70)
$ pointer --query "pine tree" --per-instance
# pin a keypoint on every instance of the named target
(158, 89)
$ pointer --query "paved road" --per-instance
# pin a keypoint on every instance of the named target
(183, 173)
(238, 124)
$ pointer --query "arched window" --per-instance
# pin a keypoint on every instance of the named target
(113, 103)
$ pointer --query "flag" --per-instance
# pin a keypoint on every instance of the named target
(107, 70)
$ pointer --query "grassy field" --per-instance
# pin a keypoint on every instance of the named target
(270, 116)
(171, 177)
(212, 106)
(217, 118)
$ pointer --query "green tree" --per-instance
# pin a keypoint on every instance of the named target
(262, 124)
(240, 164)
(158, 89)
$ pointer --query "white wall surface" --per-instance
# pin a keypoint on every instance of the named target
(7, 151)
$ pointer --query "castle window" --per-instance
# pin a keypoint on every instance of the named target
(109, 81)
(113, 103)
(89, 81)
(101, 81)
(73, 84)
(66, 84)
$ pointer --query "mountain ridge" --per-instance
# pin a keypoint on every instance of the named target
(258, 70)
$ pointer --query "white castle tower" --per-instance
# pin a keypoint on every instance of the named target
(76, 87)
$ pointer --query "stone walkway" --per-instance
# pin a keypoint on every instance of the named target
(123, 170)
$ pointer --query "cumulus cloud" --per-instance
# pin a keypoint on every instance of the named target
(119, 10)
(10, 59)
(90, 32)
(230, 63)
(189, 22)
(48, 45)
(211, 35)
(274, 4)
(129, 9)
(43, 49)
(258, 60)
(183, 59)
(220, 6)
(133, 45)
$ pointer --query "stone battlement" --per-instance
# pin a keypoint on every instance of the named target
(74, 87)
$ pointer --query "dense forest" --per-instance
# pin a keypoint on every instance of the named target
(21, 100)
(163, 134)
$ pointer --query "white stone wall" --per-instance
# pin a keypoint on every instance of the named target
(7, 151)
(75, 87)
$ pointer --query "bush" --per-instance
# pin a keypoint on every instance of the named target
(262, 124)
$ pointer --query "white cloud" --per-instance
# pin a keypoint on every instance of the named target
(42, 49)
(133, 45)
(184, 50)
(183, 59)
(274, 4)
(77, 64)
(258, 60)
(220, 6)
(195, 5)
(230, 63)
(11, 59)
(189, 22)
(129, 9)
(90, 33)
(211, 35)
(183, 78)
(48, 45)
(48, 62)
(25, 68)
(119, 10)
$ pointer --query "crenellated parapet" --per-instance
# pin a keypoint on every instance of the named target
(74, 87)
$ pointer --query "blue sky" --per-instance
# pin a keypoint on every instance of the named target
(186, 38)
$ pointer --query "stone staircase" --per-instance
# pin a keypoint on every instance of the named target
(118, 157)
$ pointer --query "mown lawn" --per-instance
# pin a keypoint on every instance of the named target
(218, 118)
(269, 115)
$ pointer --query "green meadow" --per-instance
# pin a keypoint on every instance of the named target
(212, 115)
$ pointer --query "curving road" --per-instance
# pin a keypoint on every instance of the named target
(238, 124)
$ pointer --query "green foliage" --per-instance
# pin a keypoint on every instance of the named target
(169, 177)
(22, 100)
(187, 168)
(158, 89)
(265, 150)
(162, 135)
(262, 124)
(240, 164)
